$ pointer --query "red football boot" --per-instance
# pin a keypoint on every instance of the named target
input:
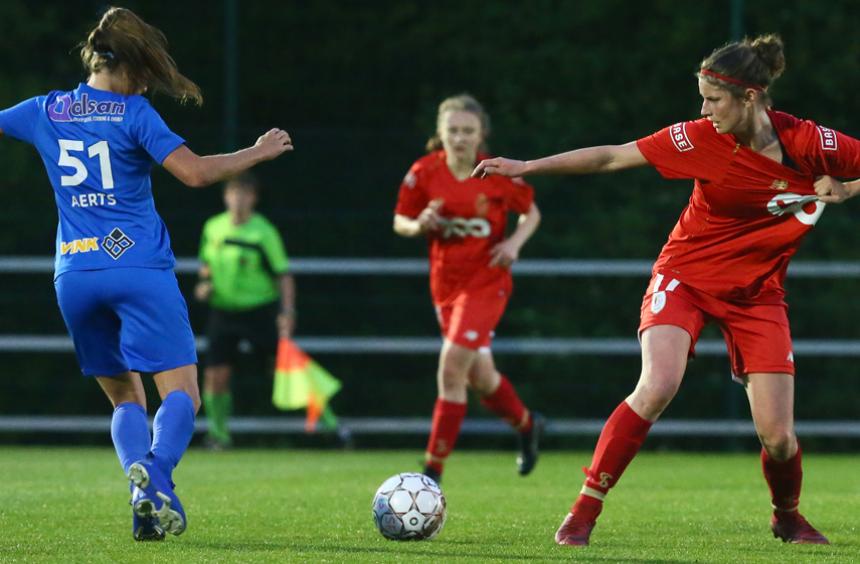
(574, 530)
(791, 526)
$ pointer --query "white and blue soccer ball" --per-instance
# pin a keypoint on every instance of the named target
(409, 506)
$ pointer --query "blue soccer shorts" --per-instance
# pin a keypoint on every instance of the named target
(124, 319)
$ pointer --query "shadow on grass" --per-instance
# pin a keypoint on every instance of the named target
(437, 550)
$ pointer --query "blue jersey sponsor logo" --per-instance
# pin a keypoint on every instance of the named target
(65, 109)
(79, 246)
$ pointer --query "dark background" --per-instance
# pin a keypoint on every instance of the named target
(357, 83)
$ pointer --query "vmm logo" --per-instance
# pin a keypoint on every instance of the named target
(79, 246)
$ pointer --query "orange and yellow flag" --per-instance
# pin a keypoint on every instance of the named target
(301, 383)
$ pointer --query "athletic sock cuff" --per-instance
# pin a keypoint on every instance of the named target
(133, 405)
(450, 407)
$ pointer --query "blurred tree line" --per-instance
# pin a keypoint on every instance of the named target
(357, 83)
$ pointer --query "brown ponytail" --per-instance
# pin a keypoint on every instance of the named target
(460, 103)
(751, 63)
(124, 43)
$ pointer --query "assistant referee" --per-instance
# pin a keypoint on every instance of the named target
(244, 278)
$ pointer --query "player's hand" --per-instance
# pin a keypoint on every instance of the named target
(203, 290)
(274, 143)
(429, 218)
(831, 191)
(286, 324)
(501, 166)
(504, 254)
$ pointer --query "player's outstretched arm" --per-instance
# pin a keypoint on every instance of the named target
(605, 158)
(508, 251)
(196, 171)
(832, 191)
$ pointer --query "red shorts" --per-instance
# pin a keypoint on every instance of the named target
(470, 319)
(757, 335)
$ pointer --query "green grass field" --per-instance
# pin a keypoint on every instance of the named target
(70, 505)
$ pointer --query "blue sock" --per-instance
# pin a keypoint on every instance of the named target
(129, 430)
(172, 430)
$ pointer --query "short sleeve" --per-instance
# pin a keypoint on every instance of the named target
(273, 246)
(153, 135)
(832, 152)
(412, 197)
(519, 196)
(678, 151)
(19, 121)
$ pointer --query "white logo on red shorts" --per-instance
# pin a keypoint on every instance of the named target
(658, 297)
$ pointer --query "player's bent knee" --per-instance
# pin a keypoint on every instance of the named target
(194, 393)
(484, 383)
(657, 392)
(780, 444)
(650, 399)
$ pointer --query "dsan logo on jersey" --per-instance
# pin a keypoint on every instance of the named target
(464, 227)
(65, 109)
(798, 205)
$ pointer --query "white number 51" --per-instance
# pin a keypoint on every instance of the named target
(99, 149)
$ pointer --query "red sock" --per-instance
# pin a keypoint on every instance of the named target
(447, 418)
(505, 403)
(620, 439)
(587, 507)
(783, 479)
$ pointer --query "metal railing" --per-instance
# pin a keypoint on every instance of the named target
(342, 266)
(430, 345)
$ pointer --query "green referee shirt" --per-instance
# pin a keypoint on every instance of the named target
(245, 261)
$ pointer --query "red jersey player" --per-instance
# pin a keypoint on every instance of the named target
(464, 221)
(754, 198)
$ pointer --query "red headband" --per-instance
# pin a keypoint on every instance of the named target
(731, 80)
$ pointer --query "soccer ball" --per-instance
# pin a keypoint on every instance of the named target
(409, 506)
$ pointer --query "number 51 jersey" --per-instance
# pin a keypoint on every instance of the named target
(98, 148)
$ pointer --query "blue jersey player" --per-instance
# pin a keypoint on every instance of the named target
(114, 268)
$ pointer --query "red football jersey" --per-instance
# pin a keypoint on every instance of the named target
(474, 216)
(748, 213)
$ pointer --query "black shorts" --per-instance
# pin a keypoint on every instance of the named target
(226, 329)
